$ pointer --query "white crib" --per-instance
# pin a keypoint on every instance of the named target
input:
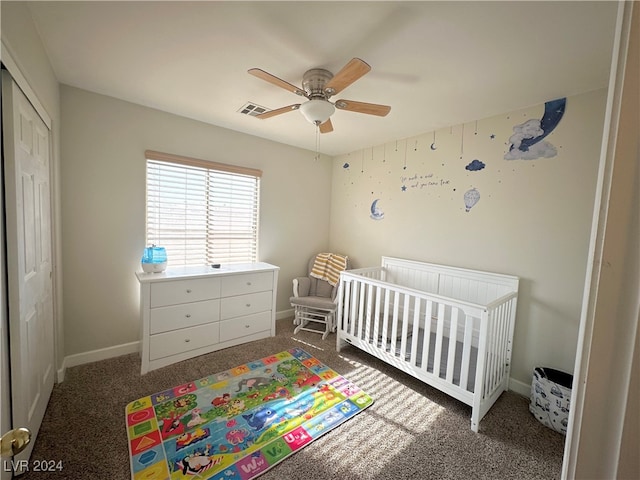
(450, 327)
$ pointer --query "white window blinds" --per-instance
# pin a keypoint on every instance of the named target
(202, 212)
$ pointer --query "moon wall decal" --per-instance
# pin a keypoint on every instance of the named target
(433, 146)
(376, 213)
(526, 142)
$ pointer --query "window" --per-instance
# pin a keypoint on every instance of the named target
(202, 212)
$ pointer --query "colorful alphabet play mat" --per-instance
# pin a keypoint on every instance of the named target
(239, 423)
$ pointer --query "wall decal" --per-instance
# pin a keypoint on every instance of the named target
(423, 181)
(471, 197)
(475, 166)
(433, 145)
(527, 140)
(346, 165)
(376, 213)
(405, 154)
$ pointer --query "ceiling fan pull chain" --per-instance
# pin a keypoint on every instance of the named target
(317, 142)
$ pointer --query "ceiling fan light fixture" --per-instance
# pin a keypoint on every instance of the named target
(317, 111)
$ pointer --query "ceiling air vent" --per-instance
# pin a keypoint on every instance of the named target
(252, 109)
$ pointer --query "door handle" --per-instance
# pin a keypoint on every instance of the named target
(14, 441)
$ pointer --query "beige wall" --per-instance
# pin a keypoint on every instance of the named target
(532, 220)
(20, 36)
(103, 206)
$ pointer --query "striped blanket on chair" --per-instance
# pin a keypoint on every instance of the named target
(327, 266)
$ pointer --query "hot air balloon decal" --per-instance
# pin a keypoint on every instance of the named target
(471, 197)
(376, 213)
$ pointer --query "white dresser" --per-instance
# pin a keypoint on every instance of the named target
(190, 311)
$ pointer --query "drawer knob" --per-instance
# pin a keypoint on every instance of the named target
(248, 304)
(247, 326)
(188, 290)
(187, 340)
(188, 315)
(248, 283)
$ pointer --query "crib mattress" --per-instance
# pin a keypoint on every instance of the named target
(444, 356)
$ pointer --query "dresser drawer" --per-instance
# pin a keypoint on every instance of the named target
(184, 291)
(246, 283)
(231, 307)
(179, 341)
(242, 326)
(174, 317)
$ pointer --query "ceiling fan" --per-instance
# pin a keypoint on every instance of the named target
(318, 85)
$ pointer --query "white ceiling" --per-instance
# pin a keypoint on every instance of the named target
(436, 63)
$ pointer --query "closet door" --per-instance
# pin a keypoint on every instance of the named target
(29, 266)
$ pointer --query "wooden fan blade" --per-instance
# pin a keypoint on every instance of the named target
(278, 82)
(361, 107)
(351, 72)
(278, 111)
(326, 127)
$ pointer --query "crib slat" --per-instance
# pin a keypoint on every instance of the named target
(376, 324)
(346, 319)
(426, 340)
(499, 367)
(405, 326)
(466, 352)
(496, 351)
(500, 362)
(503, 345)
(453, 343)
(385, 319)
(363, 292)
(509, 321)
(416, 329)
(439, 335)
(354, 307)
(490, 355)
(394, 322)
(511, 312)
(367, 327)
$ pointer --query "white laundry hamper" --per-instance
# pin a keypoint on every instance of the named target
(551, 397)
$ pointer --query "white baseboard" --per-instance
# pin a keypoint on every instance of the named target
(96, 356)
(520, 388)
(118, 350)
(61, 371)
(284, 314)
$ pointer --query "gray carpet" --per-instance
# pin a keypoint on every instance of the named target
(412, 431)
